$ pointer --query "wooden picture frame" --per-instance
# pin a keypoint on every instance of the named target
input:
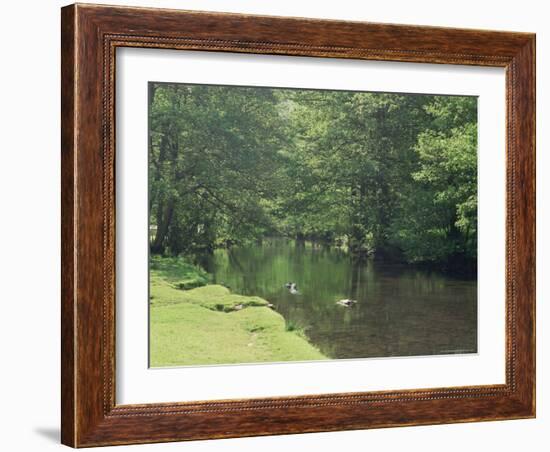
(90, 36)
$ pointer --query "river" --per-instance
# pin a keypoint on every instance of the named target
(401, 310)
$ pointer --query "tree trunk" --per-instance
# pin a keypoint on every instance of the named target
(164, 218)
(357, 245)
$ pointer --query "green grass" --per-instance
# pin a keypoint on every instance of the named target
(210, 325)
(179, 273)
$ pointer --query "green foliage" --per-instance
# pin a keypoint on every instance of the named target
(441, 220)
(211, 153)
(389, 175)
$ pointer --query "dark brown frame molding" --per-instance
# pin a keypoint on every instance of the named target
(90, 35)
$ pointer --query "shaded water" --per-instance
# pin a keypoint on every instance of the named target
(400, 310)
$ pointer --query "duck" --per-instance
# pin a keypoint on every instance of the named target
(292, 287)
(346, 302)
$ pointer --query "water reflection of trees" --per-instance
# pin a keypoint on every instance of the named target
(400, 310)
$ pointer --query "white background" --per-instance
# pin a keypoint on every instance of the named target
(138, 384)
(29, 178)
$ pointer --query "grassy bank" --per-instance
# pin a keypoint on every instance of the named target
(194, 322)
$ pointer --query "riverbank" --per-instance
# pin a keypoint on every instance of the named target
(194, 322)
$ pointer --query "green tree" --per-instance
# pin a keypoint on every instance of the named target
(439, 221)
(392, 176)
(212, 150)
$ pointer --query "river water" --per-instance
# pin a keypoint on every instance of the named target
(400, 311)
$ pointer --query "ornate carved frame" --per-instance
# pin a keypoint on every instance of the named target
(90, 36)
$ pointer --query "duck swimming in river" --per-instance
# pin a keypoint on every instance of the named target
(292, 288)
(347, 302)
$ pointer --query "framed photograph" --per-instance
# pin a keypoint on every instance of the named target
(280, 225)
